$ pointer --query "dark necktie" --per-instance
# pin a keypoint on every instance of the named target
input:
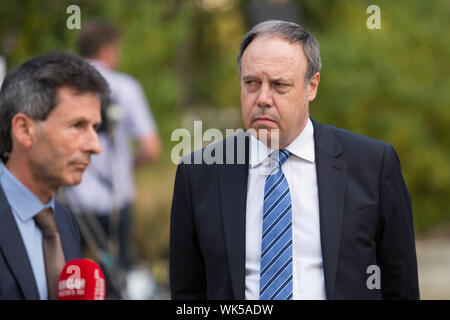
(276, 247)
(53, 252)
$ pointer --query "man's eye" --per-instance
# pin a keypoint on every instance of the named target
(252, 85)
(281, 87)
(78, 124)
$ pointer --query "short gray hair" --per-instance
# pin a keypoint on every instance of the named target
(291, 32)
(32, 89)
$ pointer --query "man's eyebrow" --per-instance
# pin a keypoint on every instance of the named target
(248, 77)
(282, 80)
(79, 119)
(85, 120)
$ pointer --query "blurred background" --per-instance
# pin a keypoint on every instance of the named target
(390, 84)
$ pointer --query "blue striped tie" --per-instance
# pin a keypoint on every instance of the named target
(276, 248)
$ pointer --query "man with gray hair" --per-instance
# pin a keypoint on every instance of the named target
(49, 113)
(315, 212)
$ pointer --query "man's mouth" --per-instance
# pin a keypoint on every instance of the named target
(81, 165)
(264, 119)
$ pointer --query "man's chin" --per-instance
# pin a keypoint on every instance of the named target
(268, 136)
(74, 179)
(269, 126)
(264, 125)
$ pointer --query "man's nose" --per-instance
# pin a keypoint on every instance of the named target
(265, 96)
(91, 142)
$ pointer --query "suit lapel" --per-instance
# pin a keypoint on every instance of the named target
(233, 194)
(14, 251)
(331, 182)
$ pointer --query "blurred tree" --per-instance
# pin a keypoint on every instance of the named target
(391, 84)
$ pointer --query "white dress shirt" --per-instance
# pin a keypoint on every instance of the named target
(300, 172)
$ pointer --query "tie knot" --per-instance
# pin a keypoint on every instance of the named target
(46, 221)
(283, 155)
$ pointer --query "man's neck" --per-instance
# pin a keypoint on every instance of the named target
(101, 62)
(22, 172)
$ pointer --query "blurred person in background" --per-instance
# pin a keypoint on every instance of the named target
(108, 188)
(49, 114)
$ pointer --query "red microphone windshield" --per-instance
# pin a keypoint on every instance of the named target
(81, 279)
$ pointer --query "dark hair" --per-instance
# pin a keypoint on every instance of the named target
(32, 89)
(94, 35)
(292, 32)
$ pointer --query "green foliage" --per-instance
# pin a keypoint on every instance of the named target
(390, 84)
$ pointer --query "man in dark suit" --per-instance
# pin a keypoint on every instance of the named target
(49, 112)
(312, 211)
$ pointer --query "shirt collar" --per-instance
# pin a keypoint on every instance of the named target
(258, 151)
(302, 147)
(24, 202)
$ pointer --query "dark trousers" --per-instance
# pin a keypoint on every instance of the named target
(118, 231)
(123, 231)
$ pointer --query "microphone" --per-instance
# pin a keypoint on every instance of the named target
(81, 279)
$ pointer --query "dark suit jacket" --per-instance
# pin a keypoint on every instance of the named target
(16, 276)
(365, 219)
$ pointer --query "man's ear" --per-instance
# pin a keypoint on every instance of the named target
(313, 85)
(23, 130)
